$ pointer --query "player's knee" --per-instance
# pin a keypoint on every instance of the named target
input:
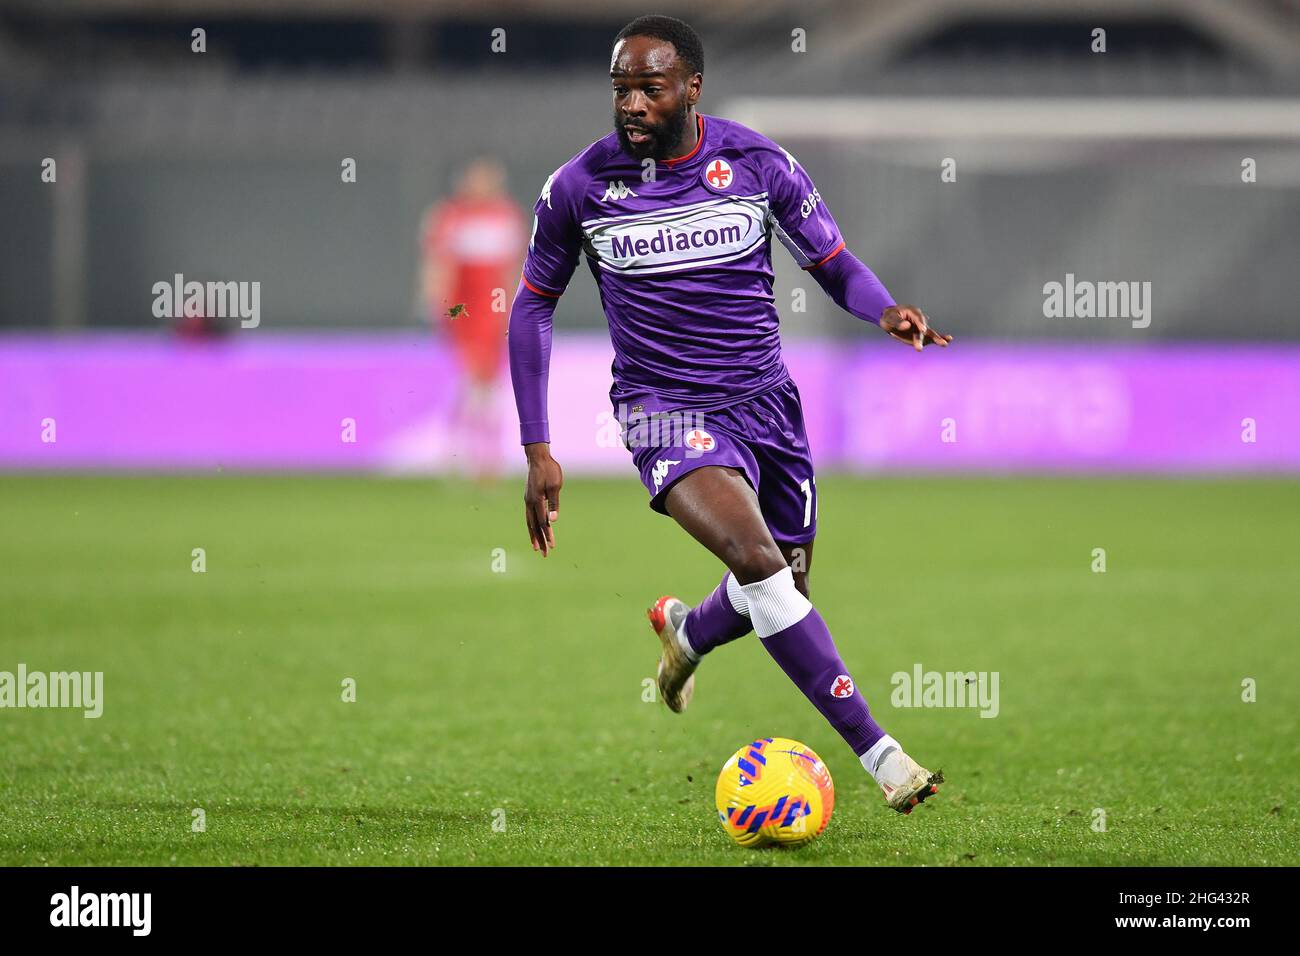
(752, 561)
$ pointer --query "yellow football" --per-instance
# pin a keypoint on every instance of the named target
(774, 790)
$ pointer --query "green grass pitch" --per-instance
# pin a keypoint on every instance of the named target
(516, 697)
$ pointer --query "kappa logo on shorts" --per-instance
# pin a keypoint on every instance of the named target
(660, 470)
(842, 686)
(700, 440)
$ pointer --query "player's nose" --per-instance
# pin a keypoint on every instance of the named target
(634, 105)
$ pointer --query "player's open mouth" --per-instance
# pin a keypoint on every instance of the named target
(636, 134)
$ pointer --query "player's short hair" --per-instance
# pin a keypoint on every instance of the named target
(677, 32)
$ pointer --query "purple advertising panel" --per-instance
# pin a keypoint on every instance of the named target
(1159, 408)
(392, 403)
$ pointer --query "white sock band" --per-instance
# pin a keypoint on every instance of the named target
(775, 603)
(737, 596)
(872, 758)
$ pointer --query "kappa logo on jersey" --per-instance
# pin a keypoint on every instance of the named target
(717, 174)
(546, 188)
(842, 686)
(615, 191)
(660, 470)
(700, 440)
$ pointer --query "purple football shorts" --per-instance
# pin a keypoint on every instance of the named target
(762, 437)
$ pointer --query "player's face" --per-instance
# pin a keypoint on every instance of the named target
(652, 97)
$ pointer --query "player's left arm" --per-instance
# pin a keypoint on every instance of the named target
(807, 229)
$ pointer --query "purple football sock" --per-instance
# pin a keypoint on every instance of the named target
(715, 621)
(807, 654)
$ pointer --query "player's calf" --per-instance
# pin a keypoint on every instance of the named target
(719, 619)
(797, 638)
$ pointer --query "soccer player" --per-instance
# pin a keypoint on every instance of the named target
(469, 251)
(675, 211)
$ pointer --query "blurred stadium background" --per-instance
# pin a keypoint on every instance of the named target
(224, 165)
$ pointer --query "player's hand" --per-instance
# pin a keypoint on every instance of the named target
(542, 495)
(908, 323)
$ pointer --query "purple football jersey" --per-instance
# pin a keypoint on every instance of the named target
(683, 261)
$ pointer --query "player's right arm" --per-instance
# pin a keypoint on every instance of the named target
(552, 257)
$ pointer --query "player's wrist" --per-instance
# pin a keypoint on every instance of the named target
(537, 450)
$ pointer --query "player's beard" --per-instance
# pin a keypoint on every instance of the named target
(665, 139)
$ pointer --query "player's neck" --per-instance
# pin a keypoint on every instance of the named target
(690, 138)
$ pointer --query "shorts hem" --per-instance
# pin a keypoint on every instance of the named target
(659, 497)
(794, 542)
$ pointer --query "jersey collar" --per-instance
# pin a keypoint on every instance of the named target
(694, 153)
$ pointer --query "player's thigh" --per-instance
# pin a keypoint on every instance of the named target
(788, 497)
(718, 507)
(799, 557)
(663, 458)
(786, 483)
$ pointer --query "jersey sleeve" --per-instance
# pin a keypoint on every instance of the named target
(556, 238)
(797, 212)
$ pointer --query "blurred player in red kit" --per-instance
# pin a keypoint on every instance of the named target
(471, 252)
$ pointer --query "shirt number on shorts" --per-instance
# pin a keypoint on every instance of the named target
(809, 488)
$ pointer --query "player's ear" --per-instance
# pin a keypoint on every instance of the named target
(694, 84)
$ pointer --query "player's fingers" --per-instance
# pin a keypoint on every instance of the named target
(548, 516)
(553, 497)
(544, 522)
(918, 338)
(534, 529)
(538, 510)
(528, 520)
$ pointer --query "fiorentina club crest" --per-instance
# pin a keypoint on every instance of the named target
(842, 686)
(717, 173)
(700, 440)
